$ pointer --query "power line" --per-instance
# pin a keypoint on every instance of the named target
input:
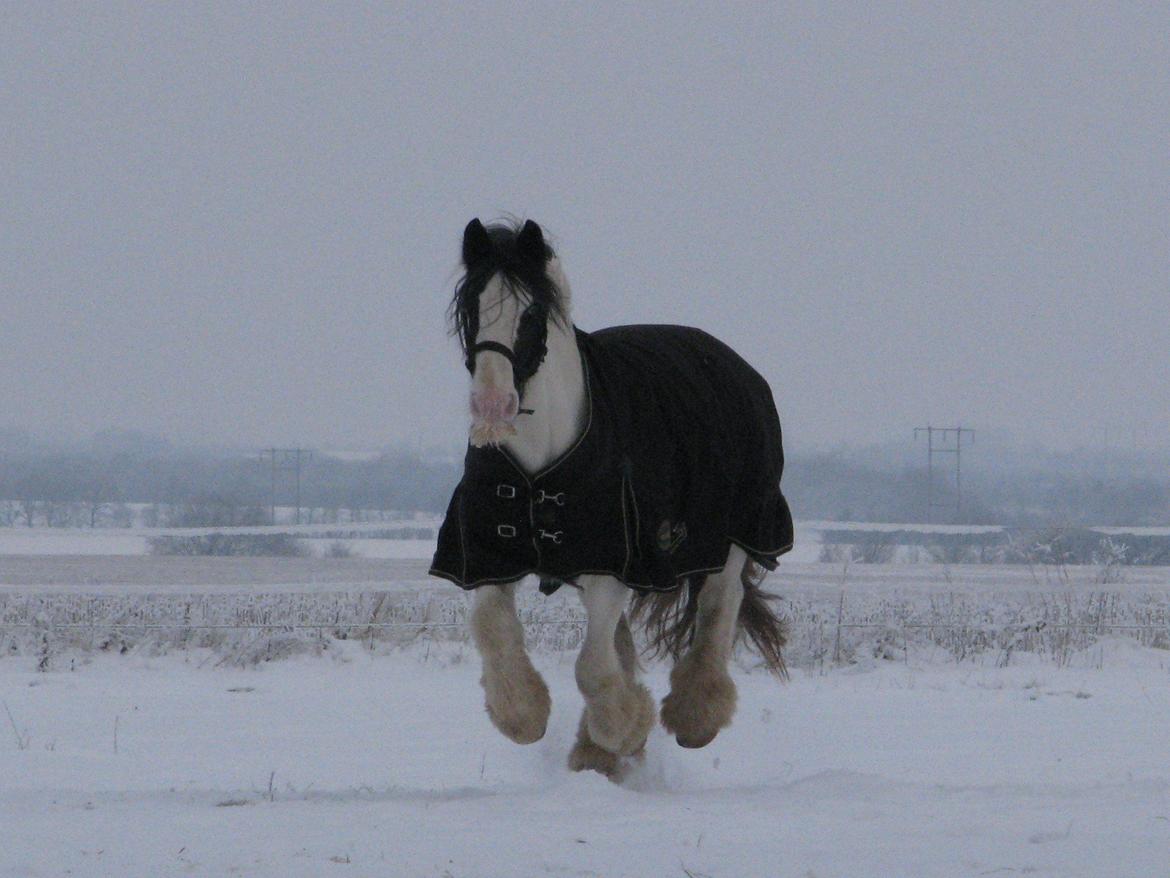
(944, 440)
(286, 460)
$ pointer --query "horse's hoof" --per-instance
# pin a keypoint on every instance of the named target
(694, 743)
(619, 715)
(587, 756)
(519, 730)
(519, 705)
(698, 706)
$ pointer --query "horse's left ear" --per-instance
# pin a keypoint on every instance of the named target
(530, 244)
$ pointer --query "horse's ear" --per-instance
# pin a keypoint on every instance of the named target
(477, 245)
(530, 244)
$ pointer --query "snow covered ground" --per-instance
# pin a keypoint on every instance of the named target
(361, 762)
(990, 745)
(202, 573)
(129, 542)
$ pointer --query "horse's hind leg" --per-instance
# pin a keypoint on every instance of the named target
(619, 711)
(702, 694)
(516, 697)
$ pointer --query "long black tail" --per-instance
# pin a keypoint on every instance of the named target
(668, 619)
(764, 627)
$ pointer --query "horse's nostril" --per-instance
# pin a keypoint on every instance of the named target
(494, 405)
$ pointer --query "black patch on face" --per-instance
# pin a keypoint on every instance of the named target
(519, 255)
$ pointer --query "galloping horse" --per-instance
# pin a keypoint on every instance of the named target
(636, 460)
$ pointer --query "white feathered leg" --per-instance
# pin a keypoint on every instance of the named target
(619, 711)
(516, 697)
(585, 753)
(702, 694)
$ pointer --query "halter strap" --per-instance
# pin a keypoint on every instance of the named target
(490, 346)
(505, 351)
(531, 335)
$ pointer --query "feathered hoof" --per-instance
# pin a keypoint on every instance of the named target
(619, 715)
(700, 703)
(587, 756)
(695, 743)
(517, 702)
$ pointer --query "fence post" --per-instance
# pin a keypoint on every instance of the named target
(840, 618)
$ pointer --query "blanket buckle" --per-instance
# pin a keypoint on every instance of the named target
(541, 496)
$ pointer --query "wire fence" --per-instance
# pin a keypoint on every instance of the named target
(823, 626)
(570, 623)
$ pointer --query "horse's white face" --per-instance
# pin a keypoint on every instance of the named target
(493, 401)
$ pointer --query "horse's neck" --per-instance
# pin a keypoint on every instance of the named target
(556, 395)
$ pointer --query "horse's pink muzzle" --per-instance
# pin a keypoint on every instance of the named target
(494, 406)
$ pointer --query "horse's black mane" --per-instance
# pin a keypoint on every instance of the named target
(521, 277)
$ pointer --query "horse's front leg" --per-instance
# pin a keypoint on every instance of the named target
(619, 711)
(516, 697)
(702, 694)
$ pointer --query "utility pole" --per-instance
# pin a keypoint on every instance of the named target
(286, 460)
(944, 440)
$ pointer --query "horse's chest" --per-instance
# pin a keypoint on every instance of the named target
(564, 523)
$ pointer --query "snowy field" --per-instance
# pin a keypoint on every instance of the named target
(313, 716)
(105, 574)
(363, 540)
(382, 762)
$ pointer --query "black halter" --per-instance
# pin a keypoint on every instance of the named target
(529, 350)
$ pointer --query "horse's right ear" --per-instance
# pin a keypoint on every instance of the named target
(477, 245)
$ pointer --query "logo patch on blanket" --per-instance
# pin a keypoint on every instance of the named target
(670, 536)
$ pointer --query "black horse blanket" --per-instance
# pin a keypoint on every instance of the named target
(681, 456)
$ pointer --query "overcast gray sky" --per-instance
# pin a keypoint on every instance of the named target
(240, 223)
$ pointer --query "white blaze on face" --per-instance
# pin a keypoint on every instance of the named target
(493, 400)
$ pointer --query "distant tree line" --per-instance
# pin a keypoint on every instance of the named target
(85, 488)
(119, 484)
(1046, 490)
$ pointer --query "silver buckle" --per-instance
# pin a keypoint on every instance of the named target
(506, 531)
(506, 491)
(555, 536)
(559, 498)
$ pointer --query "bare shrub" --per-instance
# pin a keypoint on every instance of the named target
(868, 552)
(876, 549)
(256, 545)
(214, 510)
(953, 553)
(835, 553)
(339, 549)
(1110, 558)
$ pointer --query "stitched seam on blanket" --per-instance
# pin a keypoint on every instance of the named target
(748, 548)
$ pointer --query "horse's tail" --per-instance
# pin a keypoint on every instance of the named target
(767, 630)
(668, 618)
